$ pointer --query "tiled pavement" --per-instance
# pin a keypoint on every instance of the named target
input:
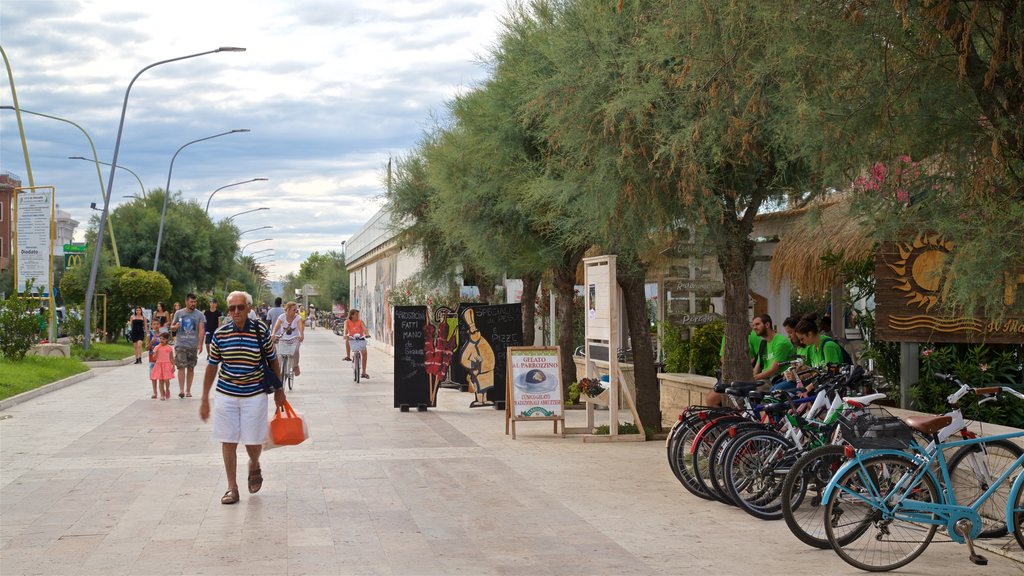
(99, 479)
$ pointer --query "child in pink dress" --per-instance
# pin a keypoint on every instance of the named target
(151, 350)
(163, 370)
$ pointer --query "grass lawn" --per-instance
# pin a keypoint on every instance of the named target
(101, 351)
(33, 372)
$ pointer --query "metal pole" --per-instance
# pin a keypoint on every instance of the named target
(910, 368)
(99, 174)
(119, 167)
(229, 186)
(167, 190)
(91, 288)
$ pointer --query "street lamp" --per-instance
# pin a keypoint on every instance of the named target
(232, 217)
(229, 186)
(251, 254)
(255, 229)
(99, 175)
(242, 253)
(91, 288)
(167, 189)
(141, 187)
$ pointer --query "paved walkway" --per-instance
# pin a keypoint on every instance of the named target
(99, 479)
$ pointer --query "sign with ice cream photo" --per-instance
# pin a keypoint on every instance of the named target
(535, 387)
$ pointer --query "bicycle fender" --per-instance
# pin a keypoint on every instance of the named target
(1018, 485)
(854, 462)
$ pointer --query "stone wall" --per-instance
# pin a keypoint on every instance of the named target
(679, 391)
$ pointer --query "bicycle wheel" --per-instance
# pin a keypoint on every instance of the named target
(356, 362)
(752, 476)
(1018, 517)
(972, 469)
(716, 469)
(801, 494)
(701, 450)
(865, 528)
(681, 458)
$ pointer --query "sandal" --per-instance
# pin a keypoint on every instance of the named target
(188, 395)
(229, 497)
(365, 375)
(181, 394)
(347, 358)
(255, 480)
(153, 396)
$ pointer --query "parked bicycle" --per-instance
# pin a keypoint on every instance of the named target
(883, 507)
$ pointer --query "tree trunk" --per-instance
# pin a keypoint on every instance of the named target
(529, 301)
(735, 252)
(486, 287)
(648, 393)
(564, 280)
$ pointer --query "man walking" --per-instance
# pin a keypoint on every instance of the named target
(274, 313)
(212, 320)
(240, 408)
(187, 326)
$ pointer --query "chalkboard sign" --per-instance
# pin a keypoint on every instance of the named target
(485, 333)
(412, 385)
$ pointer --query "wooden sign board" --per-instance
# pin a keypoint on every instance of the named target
(412, 383)
(910, 286)
(534, 386)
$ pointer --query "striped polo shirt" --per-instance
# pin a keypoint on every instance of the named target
(237, 353)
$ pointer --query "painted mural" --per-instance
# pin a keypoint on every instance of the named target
(371, 294)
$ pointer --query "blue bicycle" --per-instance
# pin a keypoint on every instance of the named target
(883, 507)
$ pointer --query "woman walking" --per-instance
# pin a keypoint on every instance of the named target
(138, 333)
(163, 369)
(161, 317)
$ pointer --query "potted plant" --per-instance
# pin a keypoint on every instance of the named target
(593, 390)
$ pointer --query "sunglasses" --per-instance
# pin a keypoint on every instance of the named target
(239, 308)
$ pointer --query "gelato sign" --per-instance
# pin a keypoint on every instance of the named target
(33, 239)
(534, 390)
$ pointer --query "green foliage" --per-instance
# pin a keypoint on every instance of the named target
(420, 291)
(19, 327)
(17, 376)
(705, 345)
(103, 351)
(130, 287)
(195, 251)
(976, 366)
(74, 325)
(574, 393)
(698, 355)
(327, 273)
(675, 349)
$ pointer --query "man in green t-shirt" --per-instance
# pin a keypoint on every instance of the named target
(779, 348)
(755, 347)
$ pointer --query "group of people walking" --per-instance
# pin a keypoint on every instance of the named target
(173, 341)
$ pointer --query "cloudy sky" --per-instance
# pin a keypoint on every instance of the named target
(329, 89)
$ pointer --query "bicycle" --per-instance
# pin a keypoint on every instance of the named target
(883, 507)
(357, 344)
(286, 350)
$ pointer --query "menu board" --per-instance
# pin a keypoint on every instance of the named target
(412, 385)
(535, 382)
(485, 333)
(33, 219)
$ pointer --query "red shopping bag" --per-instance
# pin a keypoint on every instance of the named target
(286, 427)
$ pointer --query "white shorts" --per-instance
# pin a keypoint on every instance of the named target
(240, 420)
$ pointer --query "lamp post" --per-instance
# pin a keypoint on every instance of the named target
(167, 189)
(99, 175)
(229, 186)
(242, 251)
(126, 169)
(232, 217)
(254, 229)
(91, 288)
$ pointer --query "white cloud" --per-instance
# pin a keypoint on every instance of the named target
(329, 89)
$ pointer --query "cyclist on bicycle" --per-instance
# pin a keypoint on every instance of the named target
(354, 326)
(289, 329)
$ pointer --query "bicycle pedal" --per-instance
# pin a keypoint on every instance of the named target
(979, 560)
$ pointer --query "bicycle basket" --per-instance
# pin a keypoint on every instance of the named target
(876, 428)
(286, 348)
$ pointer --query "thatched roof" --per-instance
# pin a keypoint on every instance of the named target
(821, 228)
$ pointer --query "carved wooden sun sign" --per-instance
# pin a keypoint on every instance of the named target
(919, 271)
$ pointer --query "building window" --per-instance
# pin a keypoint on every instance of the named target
(1, 246)
(1, 211)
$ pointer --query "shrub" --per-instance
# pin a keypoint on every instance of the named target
(705, 348)
(977, 366)
(19, 327)
(675, 349)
